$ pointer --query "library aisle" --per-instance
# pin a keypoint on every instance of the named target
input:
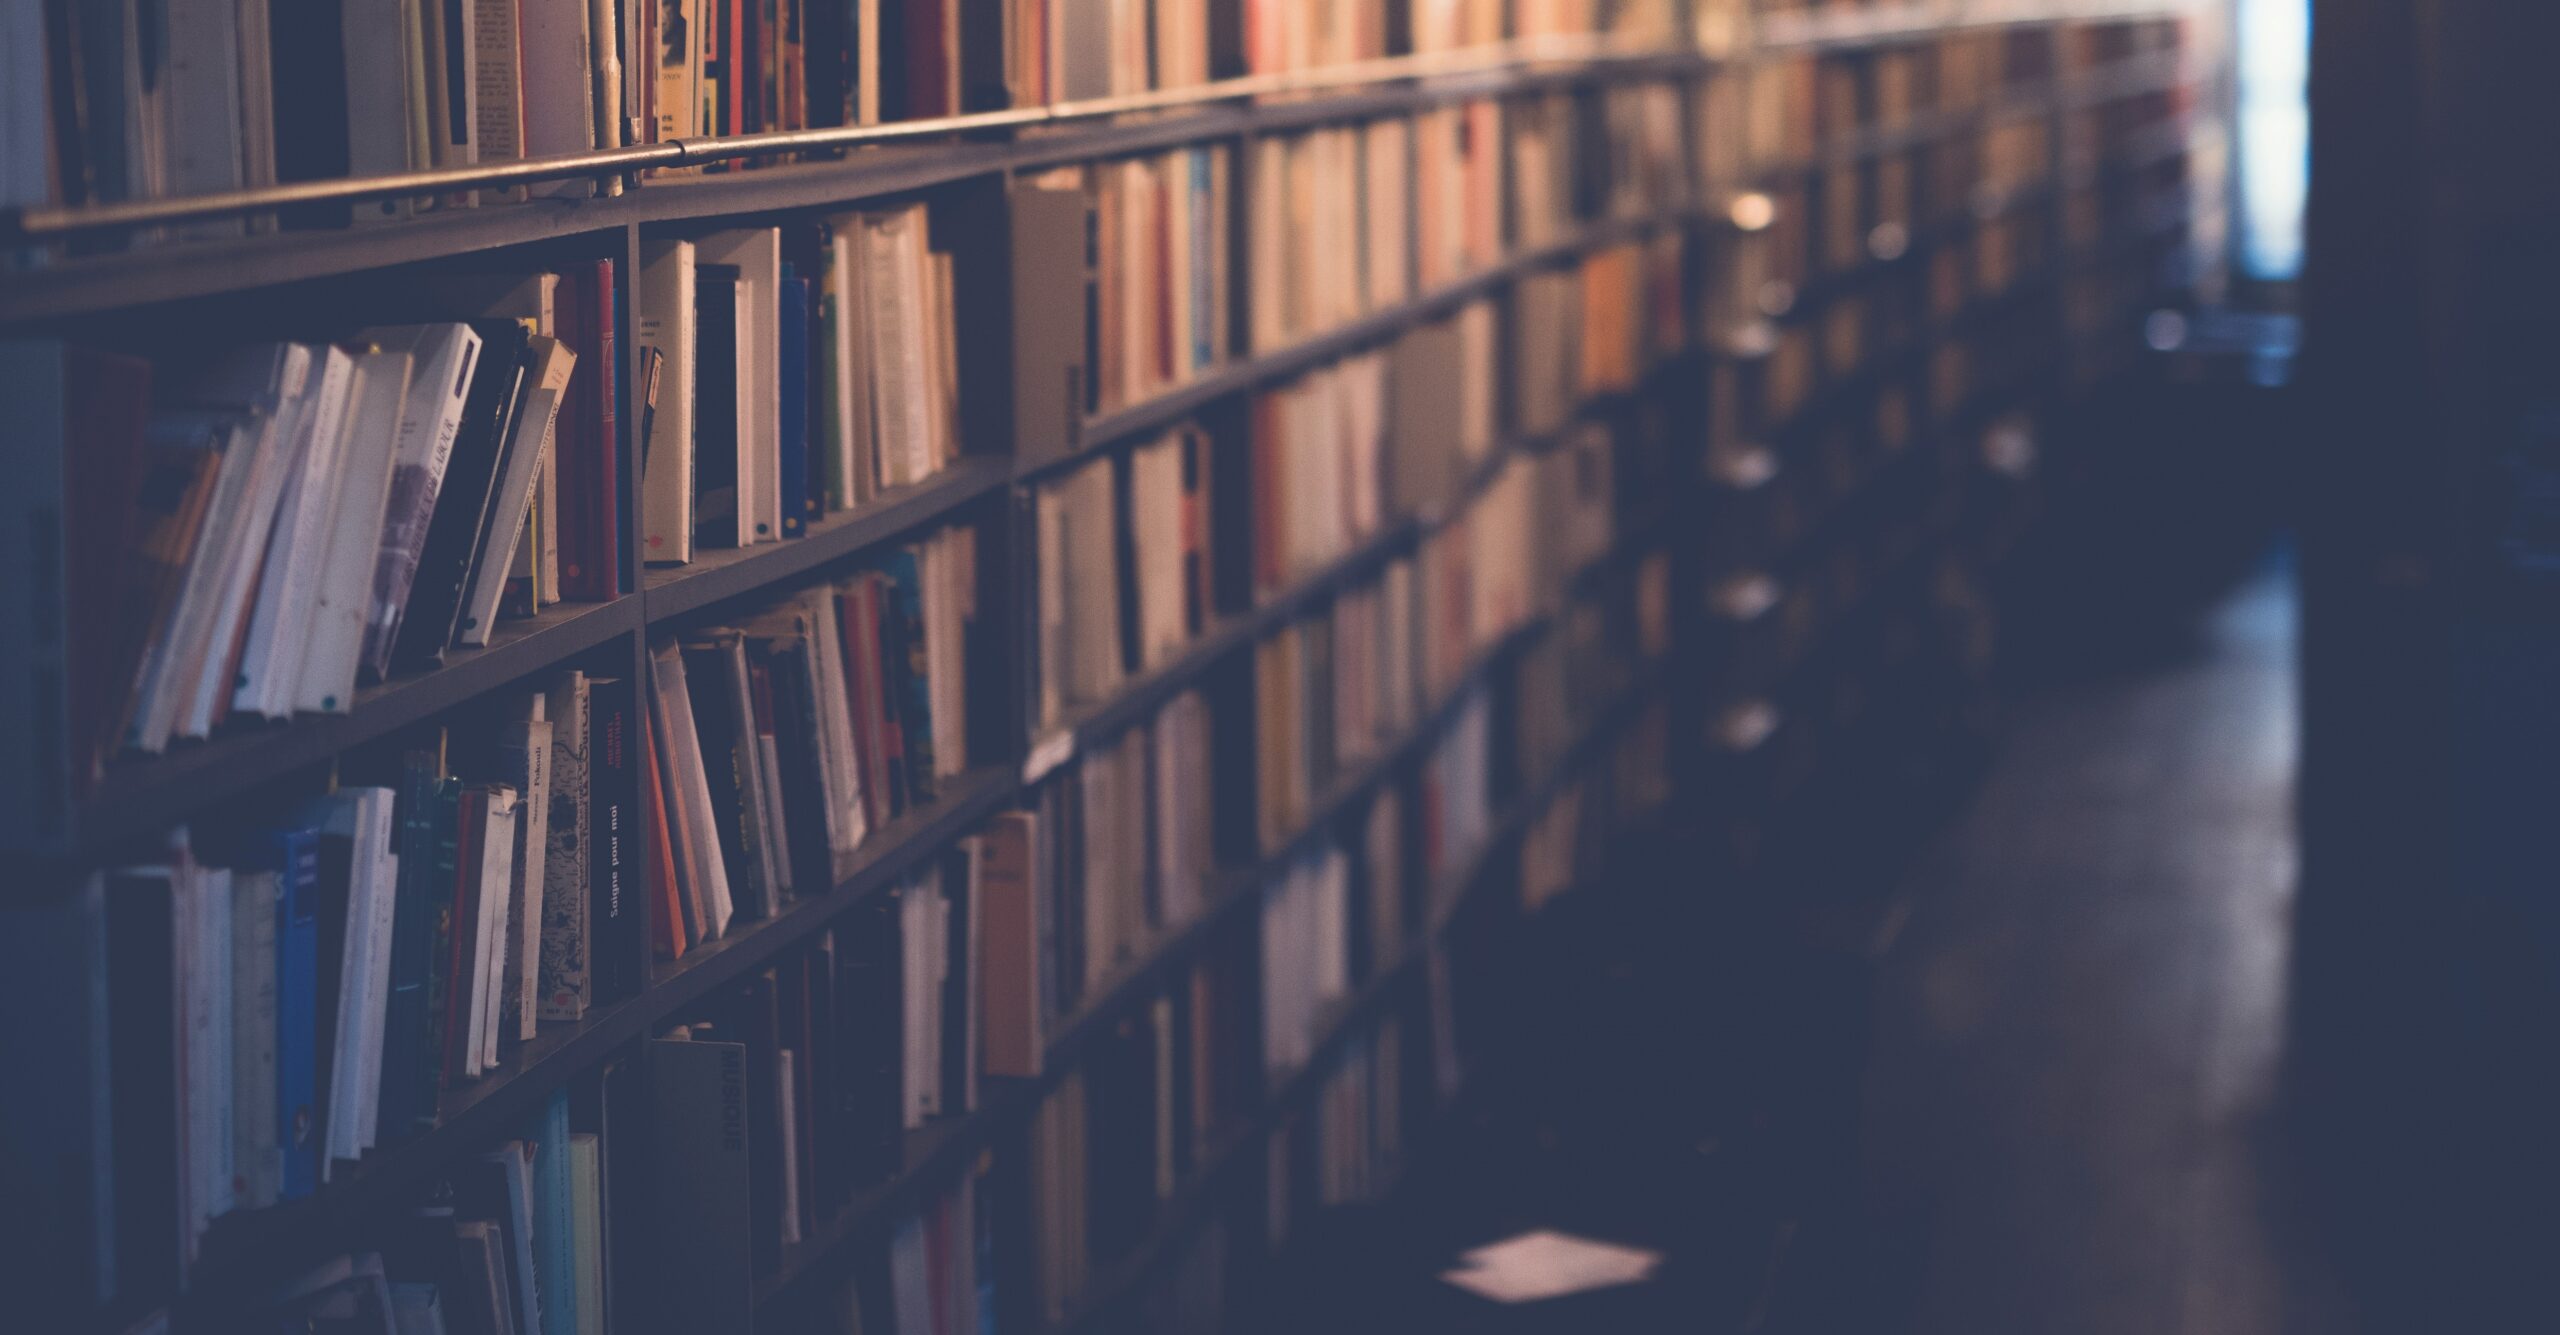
(2060, 1074)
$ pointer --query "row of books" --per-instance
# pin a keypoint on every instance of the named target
(1157, 303)
(1357, 1123)
(780, 743)
(271, 1003)
(1620, 154)
(518, 1239)
(258, 530)
(1331, 691)
(1138, 531)
(1330, 235)
(1124, 851)
(1456, 804)
(808, 369)
(1146, 1108)
(238, 97)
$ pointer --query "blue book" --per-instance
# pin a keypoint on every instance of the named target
(795, 404)
(554, 1231)
(294, 855)
(1204, 347)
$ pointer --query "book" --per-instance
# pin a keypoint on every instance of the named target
(563, 982)
(445, 364)
(460, 521)
(532, 424)
(334, 648)
(699, 1246)
(666, 323)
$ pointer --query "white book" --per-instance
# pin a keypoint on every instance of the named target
(376, 830)
(442, 358)
(489, 933)
(757, 252)
(257, 102)
(691, 786)
(536, 421)
(379, 44)
(835, 723)
(665, 321)
(604, 46)
(201, 74)
(249, 1026)
(298, 548)
(496, 86)
(363, 817)
(207, 989)
(524, 923)
(166, 676)
(852, 364)
(334, 643)
(268, 382)
(559, 105)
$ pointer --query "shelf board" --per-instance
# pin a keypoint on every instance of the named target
(142, 796)
(1241, 374)
(716, 576)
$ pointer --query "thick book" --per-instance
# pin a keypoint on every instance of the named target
(666, 325)
(555, 1263)
(699, 1246)
(756, 255)
(413, 1011)
(76, 462)
(444, 364)
(618, 840)
(563, 984)
(590, 456)
(462, 505)
(719, 316)
(1012, 1038)
(793, 425)
(524, 763)
(298, 545)
(532, 425)
(58, 1250)
(294, 857)
(334, 642)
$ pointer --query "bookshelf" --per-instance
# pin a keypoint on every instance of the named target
(1744, 427)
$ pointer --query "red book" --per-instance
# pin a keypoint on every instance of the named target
(929, 91)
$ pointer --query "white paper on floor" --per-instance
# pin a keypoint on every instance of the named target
(1531, 1267)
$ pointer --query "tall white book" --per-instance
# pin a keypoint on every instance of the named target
(665, 321)
(333, 645)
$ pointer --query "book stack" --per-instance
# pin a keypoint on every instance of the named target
(1114, 51)
(779, 743)
(1328, 239)
(1444, 29)
(942, 1279)
(1647, 172)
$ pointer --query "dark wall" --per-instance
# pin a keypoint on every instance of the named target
(2429, 939)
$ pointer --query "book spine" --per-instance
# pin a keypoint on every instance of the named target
(567, 904)
(616, 840)
(297, 1013)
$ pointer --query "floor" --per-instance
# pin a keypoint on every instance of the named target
(2049, 1100)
